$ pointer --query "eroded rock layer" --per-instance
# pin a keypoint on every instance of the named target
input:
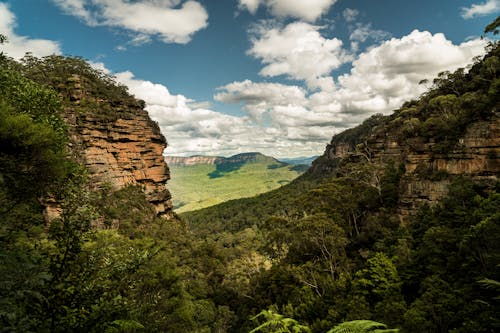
(427, 173)
(120, 146)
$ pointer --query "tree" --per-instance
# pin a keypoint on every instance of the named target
(3, 40)
(493, 26)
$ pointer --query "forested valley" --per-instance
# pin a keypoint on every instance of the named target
(329, 252)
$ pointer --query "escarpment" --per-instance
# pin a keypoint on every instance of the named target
(118, 143)
(428, 168)
(451, 131)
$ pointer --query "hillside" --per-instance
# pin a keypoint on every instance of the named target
(202, 181)
(396, 222)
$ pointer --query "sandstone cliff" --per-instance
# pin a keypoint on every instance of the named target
(119, 144)
(427, 173)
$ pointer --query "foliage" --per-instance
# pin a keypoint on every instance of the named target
(361, 326)
(493, 26)
(64, 74)
(276, 323)
(455, 100)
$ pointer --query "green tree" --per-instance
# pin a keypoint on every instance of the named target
(493, 26)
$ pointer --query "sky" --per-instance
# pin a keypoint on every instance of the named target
(279, 77)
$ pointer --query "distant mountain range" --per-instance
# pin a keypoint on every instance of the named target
(299, 160)
(202, 181)
(253, 156)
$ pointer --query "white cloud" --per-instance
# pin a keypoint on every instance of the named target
(481, 9)
(297, 50)
(309, 10)
(173, 21)
(381, 79)
(191, 129)
(350, 14)
(288, 109)
(386, 75)
(78, 8)
(260, 97)
(17, 46)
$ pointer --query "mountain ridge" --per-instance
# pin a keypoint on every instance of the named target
(207, 159)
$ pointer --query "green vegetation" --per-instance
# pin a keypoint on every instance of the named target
(456, 100)
(321, 254)
(202, 185)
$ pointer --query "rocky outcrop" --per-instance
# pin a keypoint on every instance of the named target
(120, 146)
(427, 173)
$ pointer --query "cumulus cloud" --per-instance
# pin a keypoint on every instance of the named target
(299, 51)
(381, 79)
(287, 108)
(258, 98)
(17, 46)
(481, 9)
(192, 129)
(78, 8)
(173, 21)
(309, 10)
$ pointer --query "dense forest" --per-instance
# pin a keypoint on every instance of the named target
(326, 253)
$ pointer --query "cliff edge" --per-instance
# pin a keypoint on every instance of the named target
(451, 131)
(118, 143)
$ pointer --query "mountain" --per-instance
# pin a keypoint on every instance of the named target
(299, 160)
(202, 181)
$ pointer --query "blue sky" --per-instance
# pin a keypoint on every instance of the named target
(276, 76)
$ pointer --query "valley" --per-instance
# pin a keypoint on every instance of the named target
(203, 181)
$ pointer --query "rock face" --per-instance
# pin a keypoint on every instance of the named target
(120, 146)
(427, 174)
